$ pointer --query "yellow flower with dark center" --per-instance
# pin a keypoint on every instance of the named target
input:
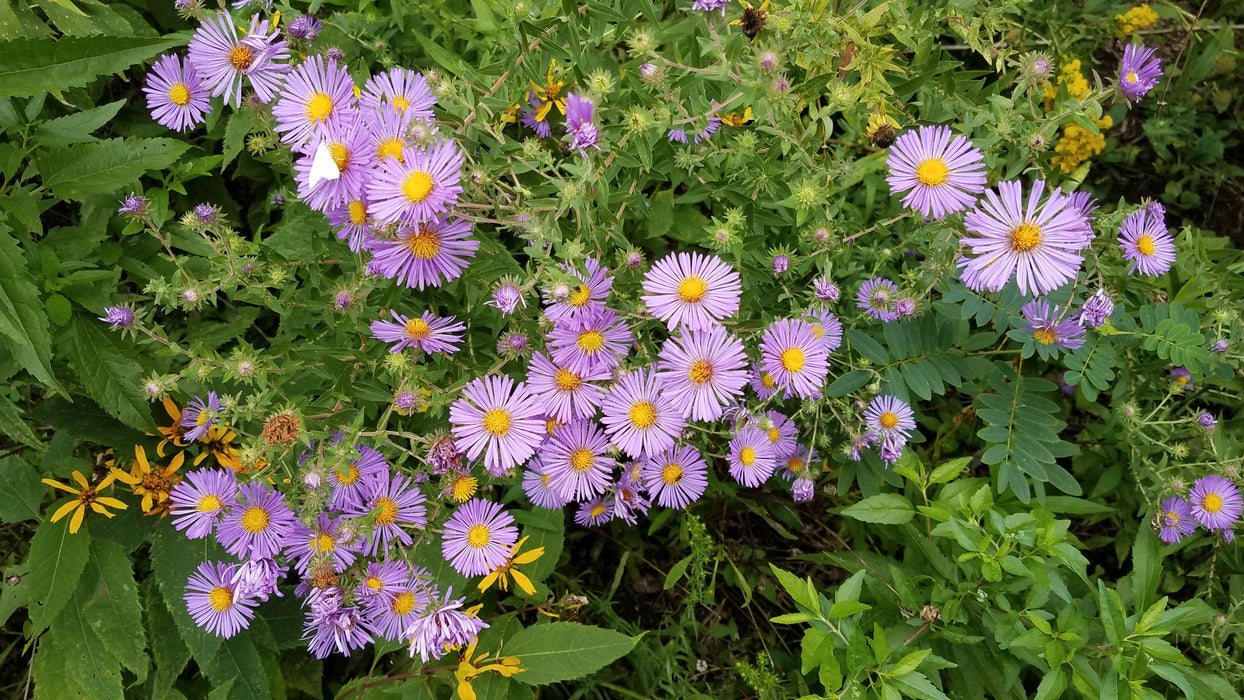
(152, 484)
(469, 669)
(217, 444)
(550, 94)
(85, 497)
(736, 119)
(507, 569)
(173, 433)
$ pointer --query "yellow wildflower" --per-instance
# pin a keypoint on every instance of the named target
(1135, 19)
(507, 569)
(85, 497)
(175, 432)
(1079, 144)
(1070, 75)
(549, 94)
(152, 484)
(468, 670)
(217, 444)
(735, 119)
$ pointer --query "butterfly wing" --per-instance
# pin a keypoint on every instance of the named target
(323, 167)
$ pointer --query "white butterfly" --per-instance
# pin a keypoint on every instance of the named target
(323, 167)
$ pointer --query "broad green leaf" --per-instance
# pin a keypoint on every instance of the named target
(76, 127)
(32, 66)
(113, 610)
(847, 608)
(849, 382)
(948, 471)
(169, 654)
(1113, 616)
(23, 322)
(910, 662)
(108, 373)
(57, 560)
(561, 651)
(918, 685)
(14, 591)
(21, 492)
(77, 171)
(237, 662)
(173, 559)
(676, 572)
(71, 660)
(795, 586)
(886, 508)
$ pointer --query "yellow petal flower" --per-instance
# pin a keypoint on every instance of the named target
(76, 521)
(523, 582)
(64, 510)
(56, 484)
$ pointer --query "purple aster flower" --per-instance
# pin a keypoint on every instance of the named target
(824, 290)
(1096, 310)
(751, 457)
(495, 417)
(888, 415)
(1206, 419)
(1146, 243)
(584, 134)
(352, 221)
(399, 90)
(905, 307)
(1085, 205)
(1177, 520)
(258, 525)
(346, 140)
(701, 371)
(427, 333)
(828, 329)
(507, 298)
(223, 60)
(593, 513)
(797, 464)
(419, 187)
(638, 417)
(891, 449)
(599, 339)
(564, 394)
(862, 442)
(692, 289)
(1048, 329)
(781, 434)
(629, 501)
(134, 205)
(533, 121)
(176, 96)
(941, 173)
(1035, 242)
(512, 344)
(802, 490)
(200, 417)
(1216, 502)
(307, 545)
(257, 578)
(1139, 71)
(583, 301)
(443, 625)
(118, 316)
(383, 582)
(575, 460)
(428, 254)
(315, 92)
(478, 537)
(1181, 377)
(710, 6)
(711, 123)
(211, 602)
(335, 54)
(797, 359)
(764, 383)
(343, 631)
(349, 477)
(305, 27)
(676, 477)
(1220, 345)
(207, 214)
(342, 301)
(538, 485)
(394, 615)
(444, 455)
(391, 502)
(781, 263)
(878, 297)
(201, 500)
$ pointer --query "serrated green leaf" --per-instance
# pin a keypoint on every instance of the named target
(169, 654)
(113, 611)
(21, 491)
(80, 170)
(886, 508)
(173, 559)
(106, 371)
(71, 660)
(561, 651)
(23, 322)
(33, 66)
(56, 560)
(76, 127)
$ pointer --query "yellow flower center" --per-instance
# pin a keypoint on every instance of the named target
(550, 425)
(323, 543)
(340, 154)
(747, 456)
(350, 476)
(794, 465)
(418, 329)
(581, 296)
(424, 244)
(497, 422)
(1172, 518)
(566, 380)
(888, 420)
(400, 103)
(255, 519)
(590, 341)
(404, 603)
(240, 57)
(221, 598)
(388, 511)
(179, 94)
(391, 148)
(463, 488)
(774, 435)
(817, 331)
(201, 419)
(1211, 502)
(319, 108)
(1025, 237)
(792, 359)
(701, 371)
(358, 212)
(672, 474)
(1180, 379)
(1045, 336)
(643, 415)
(209, 503)
(598, 510)
(479, 536)
(1144, 245)
(692, 289)
(417, 186)
(374, 583)
(932, 172)
(1132, 77)
(768, 381)
(582, 459)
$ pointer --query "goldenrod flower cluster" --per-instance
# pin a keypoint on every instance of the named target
(1070, 75)
(1135, 19)
(1079, 144)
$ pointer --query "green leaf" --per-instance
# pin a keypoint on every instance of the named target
(21, 492)
(113, 611)
(238, 662)
(868, 347)
(795, 586)
(56, 562)
(23, 322)
(173, 559)
(846, 608)
(886, 508)
(949, 471)
(849, 382)
(13, 595)
(676, 572)
(77, 171)
(241, 123)
(108, 372)
(169, 654)
(29, 67)
(561, 651)
(910, 662)
(71, 660)
(76, 127)
(1113, 616)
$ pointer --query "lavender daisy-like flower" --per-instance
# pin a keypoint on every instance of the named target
(305, 27)
(200, 416)
(118, 317)
(399, 90)
(538, 486)
(258, 525)
(828, 329)
(781, 434)
(1096, 310)
(1138, 71)
(692, 289)
(418, 188)
(506, 298)
(135, 205)
(795, 465)
(824, 290)
(564, 394)
(638, 418)
(443, 626)
(878, 297)
(586, 299)
(1146, 243)
(348, 478)
(428, 254)
(223, 60)
(1035, 242)
(496, 418)
(751, 457)
(1048, 329)
(888, 415)
(677, 477)
(211, 602)
(390, 501)
(595, 340)
(478, 537)
(593, 513)
(176, 96)
(257, 578)
(201, 500)
(427, 332)
(351, 220)
(1182, 378)
(308, 545)
(383, 581)
(1084, 204)
(1216, 502)
(575, 460)
(764, 383)
(710, 6)
(583, 132)
(396, 613)
(797, 359)
(941, 173)
(342, 630)
(314, 92)
(346, 138)
(702, 371)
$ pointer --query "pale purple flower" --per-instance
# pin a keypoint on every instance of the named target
(1146, 243)
(314, 93)
(692, 289)
(305, 27)
(940, 173)
(702, 371)
(751, 457)
(802, 490)
(443, 625)
(1138, 71)
(496, 418)
(797, 359)
(223, 60)
(507, 298)
(427, 332)
(399, 90)
(639, 419)
(576, 462)
(1049, 329)
(1177, 520)
(428, 254)
(176, 96)
(1096, 310)
(201, 501)
(257, 578)
(478, 537)
(118, 316)
(878, 297)
(710, 6)
(584, 134)
(421, 186)
(343, 631)
(1220, 345)
(1206, 419)
(134, 205)
(824, 290)
(591, 341)
(564, 394)
(258, 525)
(200, 416)
(781, 263)
(212, 602)
(1216, 502)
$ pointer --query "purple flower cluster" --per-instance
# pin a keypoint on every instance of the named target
(888, 422)
(1213, 502)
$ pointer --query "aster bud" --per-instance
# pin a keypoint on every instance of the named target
(334, 54)
(651, 73)
(768, 61)
(342, 301)
(635, 260)
(781, 263)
